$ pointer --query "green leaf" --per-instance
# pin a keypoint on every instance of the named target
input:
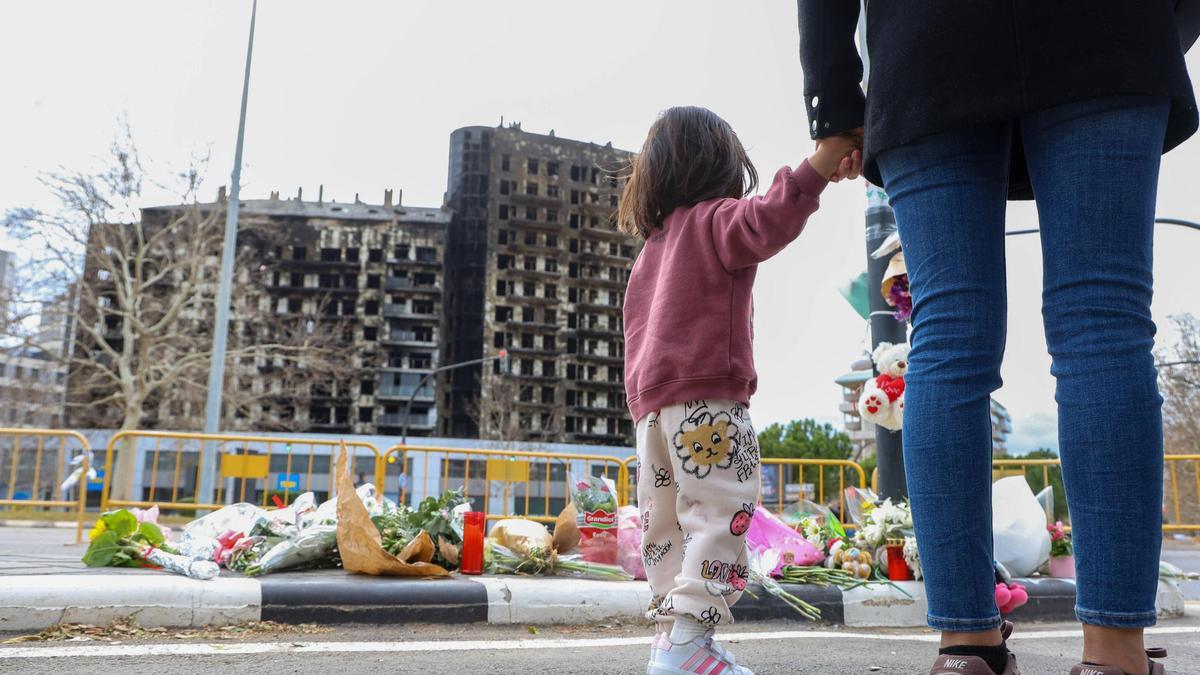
(121, 522)
(103, 549)
(150, 534)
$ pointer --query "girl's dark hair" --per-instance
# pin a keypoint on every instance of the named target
(691, 155)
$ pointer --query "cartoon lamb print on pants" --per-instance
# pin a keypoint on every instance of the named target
(741, 520)
(704, 441)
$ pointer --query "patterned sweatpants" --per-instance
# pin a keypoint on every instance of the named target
(698, 484)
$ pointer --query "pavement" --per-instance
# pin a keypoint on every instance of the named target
(44, 584)
(769, 648)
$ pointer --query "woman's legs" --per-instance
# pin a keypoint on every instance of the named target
(949, 194)
(1094, 167)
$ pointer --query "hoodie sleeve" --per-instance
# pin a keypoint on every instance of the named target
(746, 232)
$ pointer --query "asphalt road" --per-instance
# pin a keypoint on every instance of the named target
(768, 648)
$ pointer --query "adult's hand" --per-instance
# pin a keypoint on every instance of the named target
(851, 165)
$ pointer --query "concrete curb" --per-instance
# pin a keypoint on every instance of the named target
(34, 602)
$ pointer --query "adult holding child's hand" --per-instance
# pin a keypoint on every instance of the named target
(1071, 103)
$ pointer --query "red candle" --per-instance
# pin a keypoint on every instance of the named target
(472, 548)
(897, 567)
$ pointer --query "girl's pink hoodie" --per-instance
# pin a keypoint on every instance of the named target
(689, 310)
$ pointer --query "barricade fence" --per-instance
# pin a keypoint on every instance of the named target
(45, 468)
(500, 482)
(241, 468)
(54, 471)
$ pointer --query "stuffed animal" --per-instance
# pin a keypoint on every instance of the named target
(882, 399)
(850, 559)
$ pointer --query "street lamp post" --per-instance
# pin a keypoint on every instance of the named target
(502, 354)
(216, 371)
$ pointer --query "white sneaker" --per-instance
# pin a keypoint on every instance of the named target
(701, 656)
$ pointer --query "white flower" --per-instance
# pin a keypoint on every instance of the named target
(912, 556)
(873, 535)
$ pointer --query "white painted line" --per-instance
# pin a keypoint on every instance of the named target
(211, 649)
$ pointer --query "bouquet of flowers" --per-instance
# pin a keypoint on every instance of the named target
(879, 522)
(119, 540)
(440, 517)
(1172, 575)
(1060, 540)
(595, 502)
(518, 546)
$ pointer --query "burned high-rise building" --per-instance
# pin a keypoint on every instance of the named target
(536, 267)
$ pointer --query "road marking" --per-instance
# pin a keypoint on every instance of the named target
(216, 648)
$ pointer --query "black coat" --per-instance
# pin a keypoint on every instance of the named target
(941, 65)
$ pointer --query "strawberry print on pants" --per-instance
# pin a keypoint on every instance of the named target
(698, 485)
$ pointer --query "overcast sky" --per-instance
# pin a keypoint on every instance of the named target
(362, 96)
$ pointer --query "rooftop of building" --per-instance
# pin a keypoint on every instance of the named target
(514, 128)
(356, 210)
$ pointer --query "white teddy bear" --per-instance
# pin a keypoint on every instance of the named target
(882, 399)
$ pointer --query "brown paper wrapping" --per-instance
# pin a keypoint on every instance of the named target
(566, 531)
(894, 269)
(359, 541)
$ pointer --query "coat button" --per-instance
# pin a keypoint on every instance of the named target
(815, 101)
(814, 125)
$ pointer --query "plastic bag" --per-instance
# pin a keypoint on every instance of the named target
(595, 502)
(521, 536)
(768, 533)
(1019, 535)
(629, 541)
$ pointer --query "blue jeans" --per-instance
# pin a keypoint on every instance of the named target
(1094, 167)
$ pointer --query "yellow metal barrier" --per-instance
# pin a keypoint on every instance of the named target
(43, 480)
(1182, 512)
(533, 485)
(821, 474)
(246, 466)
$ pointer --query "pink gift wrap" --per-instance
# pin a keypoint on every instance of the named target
(629, 541)
(768, 532)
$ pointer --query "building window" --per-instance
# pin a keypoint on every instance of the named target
(527, 314)
(551, 316)
(294, 305)
(574, 172)
(370, 333)
(612, 201)
(331, 255)
(502, 235)
(552, 191)
(373, 281)
(551, 265)
(574, 196)
(366, 414)
(348, 308)
(371, 307)
(505, 162)
(296, 279)
(547, 394)
(551, 216)
(551, 168)
(552, 240)
(298, 253)
(352, 255)
(533, 166)
(551, 291)
(501, 287)
(530, 213)
(574, 246)
(503, 187)
(531, 188)
(548, 343)
(526, 341)
(503, 314)
(530, 238)
(366, 387)
(503, 261)
(574, 221)
(498, 340)
(528, 289)
(530, 263)
(375, 255)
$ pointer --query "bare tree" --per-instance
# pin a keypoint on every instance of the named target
(1179, 383)
(144, 287)
(500, 417)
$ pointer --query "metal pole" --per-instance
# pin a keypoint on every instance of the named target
(408, 408)
(881, 222)
(216, 372)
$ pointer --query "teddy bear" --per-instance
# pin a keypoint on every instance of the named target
(850, 559)
(882, 399)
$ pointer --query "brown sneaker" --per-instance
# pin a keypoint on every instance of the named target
(951, 664)
(1155, 667)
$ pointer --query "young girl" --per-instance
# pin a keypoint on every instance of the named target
(689, 367)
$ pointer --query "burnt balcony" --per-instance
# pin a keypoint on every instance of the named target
(406, 392)
(398, 420)
(598, 331)
(535, 326)
(535, 200)
(394, 311)
(399, 338)
(408, 284)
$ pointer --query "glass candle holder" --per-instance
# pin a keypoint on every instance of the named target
(472, 549)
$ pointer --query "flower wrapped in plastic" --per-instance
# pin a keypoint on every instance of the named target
(119, 540)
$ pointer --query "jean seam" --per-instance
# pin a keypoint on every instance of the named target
(1116, 619)
(967, 625)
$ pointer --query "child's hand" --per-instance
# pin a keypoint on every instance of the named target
(838, 157)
